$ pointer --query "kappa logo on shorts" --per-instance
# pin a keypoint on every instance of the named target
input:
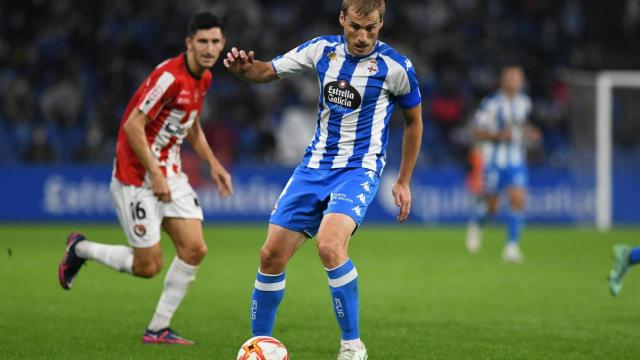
(362, 198)
(371, 174)
(365, 186)
(357, 210)
(139, 230)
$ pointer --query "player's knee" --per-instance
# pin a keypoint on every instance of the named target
(193, 255)
(147, 270)
(517, 204)
(272, 259)
(517, 201)
(329, 252)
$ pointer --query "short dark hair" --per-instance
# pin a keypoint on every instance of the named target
(202, 21)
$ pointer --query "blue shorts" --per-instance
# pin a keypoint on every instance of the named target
(497, 179)
(311, 193)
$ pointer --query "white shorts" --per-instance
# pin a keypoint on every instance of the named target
(141, 213)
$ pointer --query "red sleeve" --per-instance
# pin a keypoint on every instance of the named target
(160, 88)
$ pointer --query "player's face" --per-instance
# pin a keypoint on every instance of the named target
(512, 79)
(206, 46)
(360, 31)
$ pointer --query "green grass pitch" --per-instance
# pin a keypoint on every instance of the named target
(422, 297)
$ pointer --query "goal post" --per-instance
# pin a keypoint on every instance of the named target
(606, 81)
(593, 104)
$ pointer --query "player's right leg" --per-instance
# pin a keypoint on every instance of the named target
(268, 290)
(485, 208)
(295, 217)
(138, 212)
(623, 258)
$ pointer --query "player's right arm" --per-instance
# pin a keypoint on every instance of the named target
(245, 66)
(137, 138)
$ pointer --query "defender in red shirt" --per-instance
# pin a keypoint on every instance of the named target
(149, 189)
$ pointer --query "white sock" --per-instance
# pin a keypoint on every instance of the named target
(117, 257)
(179, 277)
(353, 344)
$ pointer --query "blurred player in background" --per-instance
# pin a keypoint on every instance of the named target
(623, 258)
(361, 81)
(501, 130)
(150, 190)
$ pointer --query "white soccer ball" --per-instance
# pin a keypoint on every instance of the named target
(263, 348)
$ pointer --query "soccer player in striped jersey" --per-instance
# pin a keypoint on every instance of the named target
(624, 257)
(150, 190)
(501, 130)
(361, 81)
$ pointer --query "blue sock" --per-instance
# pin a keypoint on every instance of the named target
(267, 295)
(343, 283)
(515, 222)
(634, 256)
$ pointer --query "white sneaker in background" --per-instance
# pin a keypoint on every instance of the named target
(474, 234)
(512, 254)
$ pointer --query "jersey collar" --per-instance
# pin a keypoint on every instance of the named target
(186, 64)
(347, 54)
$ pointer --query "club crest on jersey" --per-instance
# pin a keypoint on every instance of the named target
(372, 67)
(332, 55)
(139, 230)
(340, 96)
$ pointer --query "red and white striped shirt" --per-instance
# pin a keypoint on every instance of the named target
(172, 98)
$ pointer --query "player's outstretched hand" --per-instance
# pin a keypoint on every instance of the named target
(160, 188)
(402, 195)
(223, 182)
(238, 61)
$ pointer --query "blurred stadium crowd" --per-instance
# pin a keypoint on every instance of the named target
(67, 69)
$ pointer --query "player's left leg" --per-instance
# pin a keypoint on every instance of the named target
(191, 249)
(351, 192)
(333, 242)
(515, 223)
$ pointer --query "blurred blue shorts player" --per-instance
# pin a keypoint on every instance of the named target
(501, 129)
(361, 81)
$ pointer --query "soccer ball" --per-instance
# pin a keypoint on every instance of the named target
(263, 348)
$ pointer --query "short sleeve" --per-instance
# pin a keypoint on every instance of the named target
(297, 60)
(159, 90)
(406, 87)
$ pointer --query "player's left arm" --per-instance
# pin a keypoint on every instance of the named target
(411, 140)
(219, 174)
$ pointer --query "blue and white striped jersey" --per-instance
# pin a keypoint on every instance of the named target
(357, 97)
(499, 112)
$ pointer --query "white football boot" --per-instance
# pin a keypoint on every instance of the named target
(352, 350)
(474, 237)
(512, 253)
